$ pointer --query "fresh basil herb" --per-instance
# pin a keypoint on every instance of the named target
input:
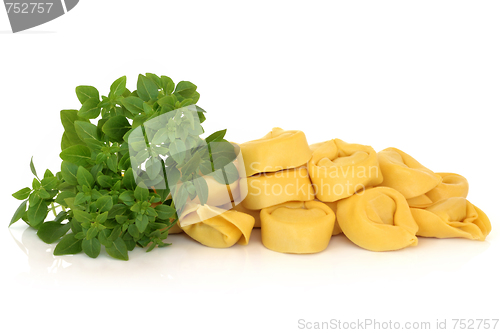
(97, 190)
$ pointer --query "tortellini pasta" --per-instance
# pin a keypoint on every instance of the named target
(453, 185)
(297, 227)
(277, 150)
(405, 174)
(452, 217)
(378, 219)
(216, 227)
(339, 169)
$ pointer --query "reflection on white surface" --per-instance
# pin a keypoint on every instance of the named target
(188, 265)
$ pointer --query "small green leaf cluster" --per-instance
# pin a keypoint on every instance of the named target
(96, 188)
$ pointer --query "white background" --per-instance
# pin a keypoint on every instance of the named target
(422, 76)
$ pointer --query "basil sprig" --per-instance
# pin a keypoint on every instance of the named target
(96, 188)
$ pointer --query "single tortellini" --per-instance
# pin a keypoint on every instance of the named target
(405, 174)
(272, 188)
(276, 151)
(339, 169)
(377, 219)
(452, 217)
(453, 185)
(216, 227)
(297, 227)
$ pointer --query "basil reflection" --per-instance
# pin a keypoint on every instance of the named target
(168, 156)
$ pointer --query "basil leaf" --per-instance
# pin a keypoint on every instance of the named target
(104, 203)
(90, 109)
(141, 193)
(141, 221)
(32, 167)
(37, 213)
(50, 232)
(133, 104)
(91, 247)
(19, 212)
(164, 212)
(146, 88)
(86, 92)
(118, 249)
(68, 171)
(84, 177)
(86, 130)
(177, 150)
(185, 88)
(22, 193)
(78, 154)
(116, 127)
(201, 189)
(216, 137)
(129, 180)
(118, 87)
(68, 245)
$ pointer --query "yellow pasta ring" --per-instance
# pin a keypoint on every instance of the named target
(272, 188)
(378, 219)
(216, 227)
(276, 151)
(297, 227)
(452, 217)
(339, 169)
(402, 172)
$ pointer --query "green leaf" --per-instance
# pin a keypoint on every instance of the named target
(22, 193)
(49, 232)
(141, 221)
(82, 216)
(216, 137)
(118, 87)
(86, 130)
(86, 92)
(185, 88)
(134, 231)
(128, 179)
(49, 183)
(84, 177)
(117, 209)
(37, 213)
(68, 245)
(118, 249)
(127, 197)
(68, 171)
(190, 167)
(167, 84)
(43, 193)
(104, 203)
(32, 167)
(133, 104)
(146, 88)
(165, 212)
(70, 138)
(35, 184)
(19, 212)
(141, 193)
(91, 247)
(177, 150)
(116, 127)
(105, 181)
(112, 162)
(90, 109)
(78, 154)
(201, 189)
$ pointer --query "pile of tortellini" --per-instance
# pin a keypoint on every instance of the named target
(301, 195)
